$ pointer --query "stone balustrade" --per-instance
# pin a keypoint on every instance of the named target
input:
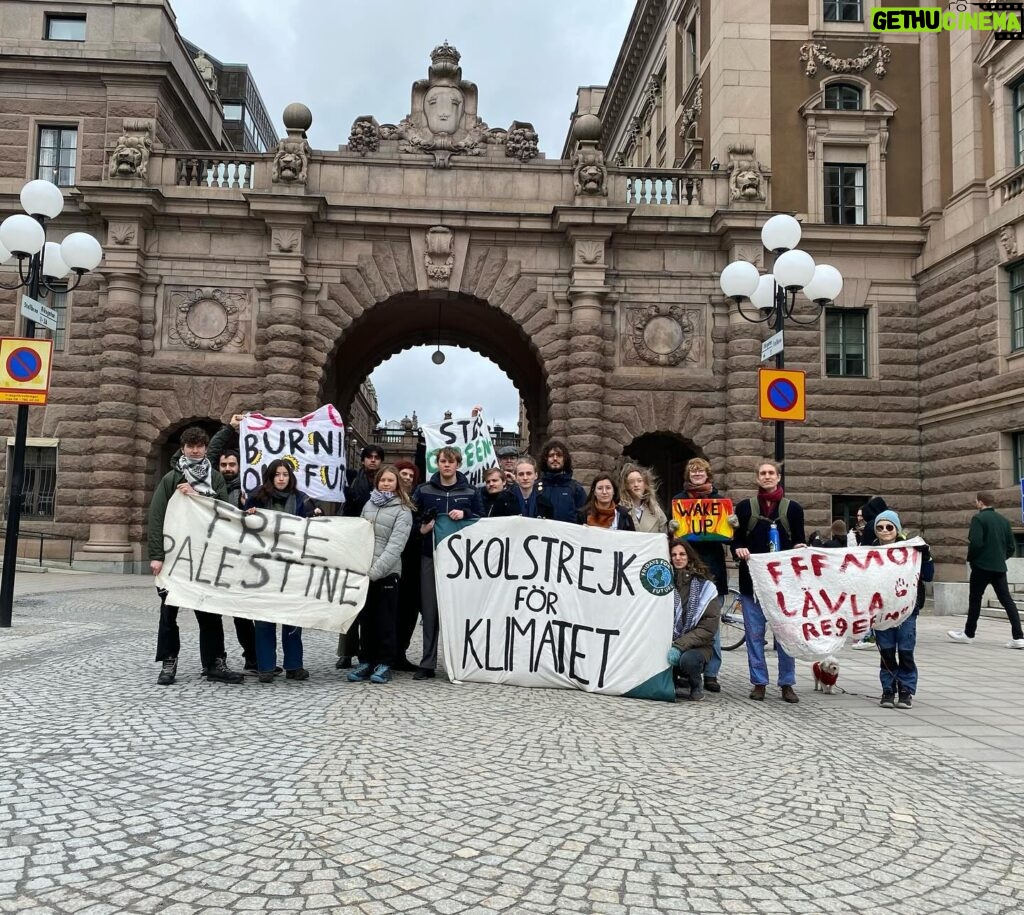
(218, 171)
(661, 187)
(1008, 186)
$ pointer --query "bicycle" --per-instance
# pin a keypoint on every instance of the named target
(731, 628)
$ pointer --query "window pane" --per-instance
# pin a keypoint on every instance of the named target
(39, 486)
(65, 28)
(232, 112)
(68, 138)
(846, 342)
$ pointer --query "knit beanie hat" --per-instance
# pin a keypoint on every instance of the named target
(890, 516)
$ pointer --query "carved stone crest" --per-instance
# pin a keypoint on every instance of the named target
(130, 158)
(207, 319)
(365, 135)
(439, 256)
(746, 181)
(122, 233)
(589, 252)
(813, 54)
(285, 240)
(521, 141)
(655, 335)
(291, 161)
(589, 175)
(443, 121)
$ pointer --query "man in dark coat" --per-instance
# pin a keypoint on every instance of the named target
(566, 497)
(990, 544)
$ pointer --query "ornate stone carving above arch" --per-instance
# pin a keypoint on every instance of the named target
(207, 319)
(659, 335)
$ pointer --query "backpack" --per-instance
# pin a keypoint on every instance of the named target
(782, 520)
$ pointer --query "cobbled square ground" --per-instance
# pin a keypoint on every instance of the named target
(118, 795)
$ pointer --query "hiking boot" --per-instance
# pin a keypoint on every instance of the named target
(888, 700)
(343, 663)
(423, 673)
(168, 672)
(958, 635)
(300, 673)
(220, 672)
(381, 674)
(758, 693)
(789, 695)
(360, 675)
(696, 694)
(712, 685)
(266, 676)
(906, 700)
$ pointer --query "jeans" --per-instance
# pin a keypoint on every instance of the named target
(690, 665)
(898, 674)
(755, 625)
(168, 638)
(714, 665)
(379, 622)
(266, 646)
(980, 580)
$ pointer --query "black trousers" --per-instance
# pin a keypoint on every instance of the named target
(168, 639)
(408, 602)
(245, 630)
(980, 580)
(379, 622)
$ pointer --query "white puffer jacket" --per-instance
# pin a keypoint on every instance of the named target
(392, 525)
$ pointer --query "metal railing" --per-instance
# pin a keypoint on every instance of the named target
(43, 536)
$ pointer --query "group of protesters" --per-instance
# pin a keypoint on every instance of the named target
(404, 511)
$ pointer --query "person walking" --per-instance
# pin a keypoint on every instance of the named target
(639, 489)
(193, 475)
(989, 544)
(767, 523)
(696, 618)
(389, 510)
(280, 493)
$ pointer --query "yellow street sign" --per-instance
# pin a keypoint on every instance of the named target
(25, 370)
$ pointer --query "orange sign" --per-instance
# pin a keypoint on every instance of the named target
(782, 394)
(703, 519)
(25, 370)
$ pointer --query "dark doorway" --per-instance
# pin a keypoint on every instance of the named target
(666, 454)
(167, 449)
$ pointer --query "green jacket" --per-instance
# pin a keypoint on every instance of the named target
(158, 507)
(990, 542)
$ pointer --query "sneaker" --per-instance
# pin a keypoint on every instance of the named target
(220, 672)
(958, 635)
(757, 693)
(789, 695)
(343, 663)
(906, 700)
(423, 673)
(300, 673)
(712, 685)
(1015, 643)
(863, 644)
(360, 675)
(168, 672)
(696, 694)
(888, 700)
(266, 676)
(381, 674)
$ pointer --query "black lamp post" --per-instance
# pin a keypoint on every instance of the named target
(774, 294)
(41, 264)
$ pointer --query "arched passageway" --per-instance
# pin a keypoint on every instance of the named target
(665, 453)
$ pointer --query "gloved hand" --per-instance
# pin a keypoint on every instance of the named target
(674, 654)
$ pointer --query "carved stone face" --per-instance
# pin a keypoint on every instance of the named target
(442, 106)
(590, 178)
(127, 160)
(747, 180)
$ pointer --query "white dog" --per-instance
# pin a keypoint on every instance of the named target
(826, 673)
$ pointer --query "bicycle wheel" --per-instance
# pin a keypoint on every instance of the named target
(732, 630)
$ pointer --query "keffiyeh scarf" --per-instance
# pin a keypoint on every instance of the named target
(198, 473)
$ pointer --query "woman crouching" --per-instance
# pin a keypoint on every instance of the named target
(697, 615)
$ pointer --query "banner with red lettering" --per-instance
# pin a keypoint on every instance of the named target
(815, 600)
(703, 519)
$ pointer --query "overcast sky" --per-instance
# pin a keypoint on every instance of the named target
(345, 59)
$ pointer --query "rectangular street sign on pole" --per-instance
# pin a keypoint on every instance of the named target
(36, 311)
(771, 347)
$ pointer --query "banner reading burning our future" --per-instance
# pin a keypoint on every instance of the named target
(313, 444)
(471, 438)
(266, 565)
(815, 600)
(538, 603)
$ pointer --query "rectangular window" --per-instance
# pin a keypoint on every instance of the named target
(1018, 124)
(846, 342)
(843, 11)
(691, 51)
(65, 28)
(232, 111)
(58, 301)
(58, 155)
(1018, 457)
(845, 194)
(1017, 307)
(40, 488)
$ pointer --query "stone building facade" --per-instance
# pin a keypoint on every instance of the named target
(279, 281)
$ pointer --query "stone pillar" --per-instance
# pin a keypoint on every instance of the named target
(280, 335)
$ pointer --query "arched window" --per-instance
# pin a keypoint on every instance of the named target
(843, 97)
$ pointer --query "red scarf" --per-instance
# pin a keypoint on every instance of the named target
(601, 517)
(698, 491)
(768, 502)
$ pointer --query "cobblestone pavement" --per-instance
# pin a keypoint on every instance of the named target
(117, 795)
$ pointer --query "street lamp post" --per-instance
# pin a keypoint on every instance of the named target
(774, 294)
(40, 265)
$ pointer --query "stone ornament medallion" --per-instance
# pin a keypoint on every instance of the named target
(208, 319)
(661, 337)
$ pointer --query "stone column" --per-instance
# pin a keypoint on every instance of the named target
(280, 335)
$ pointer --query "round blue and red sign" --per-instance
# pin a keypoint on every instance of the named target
(24, 364)
(782, 394)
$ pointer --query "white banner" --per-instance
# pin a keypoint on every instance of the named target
(540, 603)
(471, 437)
(309, 572)
(313, 444)
(815, 600)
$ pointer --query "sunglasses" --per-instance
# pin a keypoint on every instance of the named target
(885, 527)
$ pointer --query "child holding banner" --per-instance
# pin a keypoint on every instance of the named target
(639, 487)
(280, 493)
(697, 615)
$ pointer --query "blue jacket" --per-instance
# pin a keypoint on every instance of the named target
(432, 496)
(566, 496)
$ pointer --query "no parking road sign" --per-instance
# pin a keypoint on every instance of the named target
(25, 370)
(782, 395)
